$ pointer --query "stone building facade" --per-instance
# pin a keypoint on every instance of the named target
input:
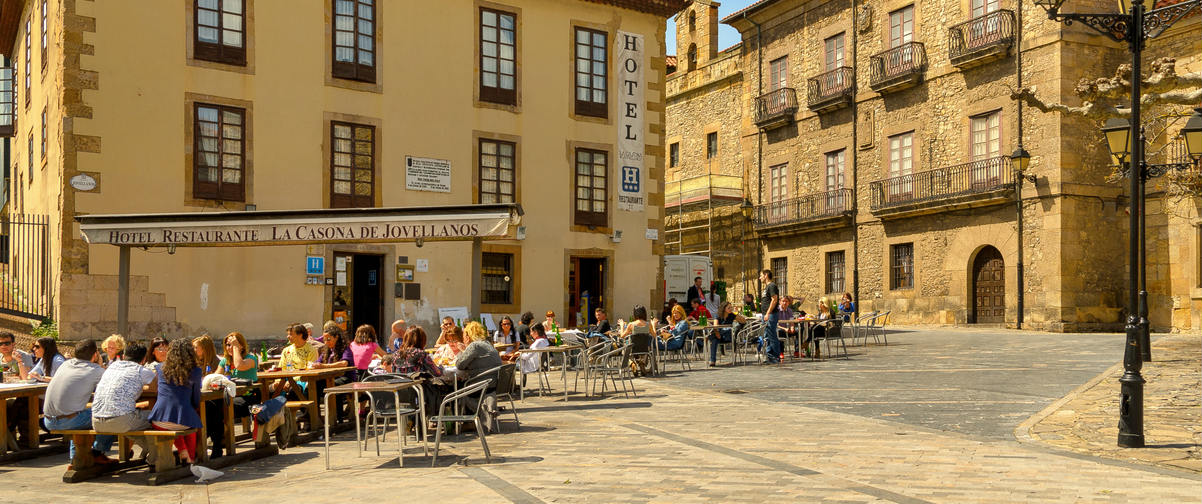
(876, 137)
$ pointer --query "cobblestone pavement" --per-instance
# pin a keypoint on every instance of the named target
(1085, 421)
(672, 444)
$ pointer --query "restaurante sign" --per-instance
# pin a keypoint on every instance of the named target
(286, 231)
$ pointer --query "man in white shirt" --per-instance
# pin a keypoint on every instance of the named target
(114, 405)
(67, 396)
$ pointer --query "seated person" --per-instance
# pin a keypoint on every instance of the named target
(178, 403)
(679, 333)
(507, 335)
(549, 322)
(241, 365)
(529, 362)
(699, 310)
(824, 313)
(412, 358)
(115, 403)
(156, 353)
(13, 360)
(601, 328)
(452, 344)
(364, 348)
(726, 316)
(47, 359)
(396, 337)
(67, 397)
(112, 346)
(299, 354)
(385, 364)
(847, 307)
(479, 355)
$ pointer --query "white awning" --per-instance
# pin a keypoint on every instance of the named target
(301, 227)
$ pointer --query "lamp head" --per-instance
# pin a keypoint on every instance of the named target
(1193, 135)
(1118, 138)
(1020, 160)
(746, 208)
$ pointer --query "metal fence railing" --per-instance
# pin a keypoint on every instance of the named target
(995, 29)
(25, 288)
(804, 208)
(981, 176)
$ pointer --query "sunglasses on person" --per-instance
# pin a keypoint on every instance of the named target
(6, 343)
(36, 346)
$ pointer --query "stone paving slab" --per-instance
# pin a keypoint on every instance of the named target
(1086, 421)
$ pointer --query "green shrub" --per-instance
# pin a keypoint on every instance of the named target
(48, 328)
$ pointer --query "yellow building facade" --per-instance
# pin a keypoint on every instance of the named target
(236, 105)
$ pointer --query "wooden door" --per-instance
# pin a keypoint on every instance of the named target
(989, 287)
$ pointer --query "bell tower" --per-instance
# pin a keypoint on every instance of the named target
(696, 34)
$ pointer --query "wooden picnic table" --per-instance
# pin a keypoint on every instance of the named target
(310, 377)
(34, 393)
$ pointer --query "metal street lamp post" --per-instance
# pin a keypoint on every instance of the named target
(1134, 25)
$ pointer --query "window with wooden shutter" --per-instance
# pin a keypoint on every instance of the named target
(219, 156)
(45, 25)
(778, 70)
(498, 56)
(592, 188)
(901, 266)
(355, 40)
(834, 271)
(592, 91)
(353, 165)
(28, 59)
(496, 171)
(8, 102)
(220, 31)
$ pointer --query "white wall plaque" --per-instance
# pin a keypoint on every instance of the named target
(426, 174)
(83, 182)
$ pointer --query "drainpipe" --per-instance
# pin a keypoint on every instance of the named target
(1018, 182)
(855, 165)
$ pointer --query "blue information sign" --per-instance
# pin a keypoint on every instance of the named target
(315, 265)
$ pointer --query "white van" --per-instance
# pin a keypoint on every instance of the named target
(679, 272)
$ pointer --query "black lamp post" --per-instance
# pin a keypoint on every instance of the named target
(1134, 25)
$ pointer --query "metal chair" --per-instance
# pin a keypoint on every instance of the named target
(540, 374)
(642, 345)
(383, 405)
(503, 377)
(834, 331)
(880, 326)
(480, 387)
(747, 335)
(860, 328)
(616, 365)
(587, 361)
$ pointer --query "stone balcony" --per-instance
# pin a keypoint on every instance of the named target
(969, 185)
(831, 90)
(981, 40)
(899, 68)
(775, 108)
(812, 212)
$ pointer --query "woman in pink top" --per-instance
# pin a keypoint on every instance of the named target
(364, 347)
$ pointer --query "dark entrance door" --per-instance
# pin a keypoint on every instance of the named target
(989, 287)
(586, 285)
(367, 279)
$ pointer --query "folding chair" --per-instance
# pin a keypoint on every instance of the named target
(616, 365)
(384, 406)
(481, 388)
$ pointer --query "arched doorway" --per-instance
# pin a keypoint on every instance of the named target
(988, 287)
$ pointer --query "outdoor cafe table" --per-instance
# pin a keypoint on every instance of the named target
(379, 386)
(711, 328)
(807, 327)
(561, 349)
(17, 390)
(310, 377)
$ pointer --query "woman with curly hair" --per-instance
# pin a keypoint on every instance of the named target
(179, 397)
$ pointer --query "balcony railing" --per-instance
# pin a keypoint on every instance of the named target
(898, 68)
(804, 208)
(981, 39)
(977, 177)
(775, 107)
(831, 90)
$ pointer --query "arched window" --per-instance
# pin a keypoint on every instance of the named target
(692, 20)
(692, 57)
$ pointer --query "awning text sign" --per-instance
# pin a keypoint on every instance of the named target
(298, 231)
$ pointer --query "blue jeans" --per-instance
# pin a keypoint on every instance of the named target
(676, 343)
(772, 347)
(83, 420)
(723, 336)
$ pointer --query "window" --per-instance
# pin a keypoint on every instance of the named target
(591, 70)
(496, 171)
(834, 272)
(355, 40)
(353, 166)
(711, 145)
(834, 52)
(778, 73)
(496, 282)
(28, 67)
(901, 164)
(778, 190)
(43, 134)
(8, 102)
(986, 135)
(220, 32)
(901, 266)
(219, 158)
(780, 274)
(498, 56)
(674, 155)
(834, 169)
(592, 195)
(901, 26)
(44, 35)
(29, 159)
(983, 7)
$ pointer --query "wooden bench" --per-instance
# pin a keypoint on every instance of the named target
(84, 467)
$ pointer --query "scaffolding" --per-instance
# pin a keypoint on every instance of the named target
(706, 192)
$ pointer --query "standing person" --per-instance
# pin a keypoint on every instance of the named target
(112, 346)
(157, 353)
(769, 299)
(239, 363)
(206, 354)
(13, 360)
(713, 302)
(67, 397)
(363, 349)
(115, 403)
(178, 403)
(395, 338)
(524, 328)
(506, 335)
(45, 350)
(695, 292)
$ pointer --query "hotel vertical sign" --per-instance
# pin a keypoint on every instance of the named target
(631, 108)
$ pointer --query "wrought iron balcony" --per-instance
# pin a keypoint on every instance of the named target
(898, 68)
(968, 185)
(981, 39)
(831, 90)
(808, 211)
(775, 108)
